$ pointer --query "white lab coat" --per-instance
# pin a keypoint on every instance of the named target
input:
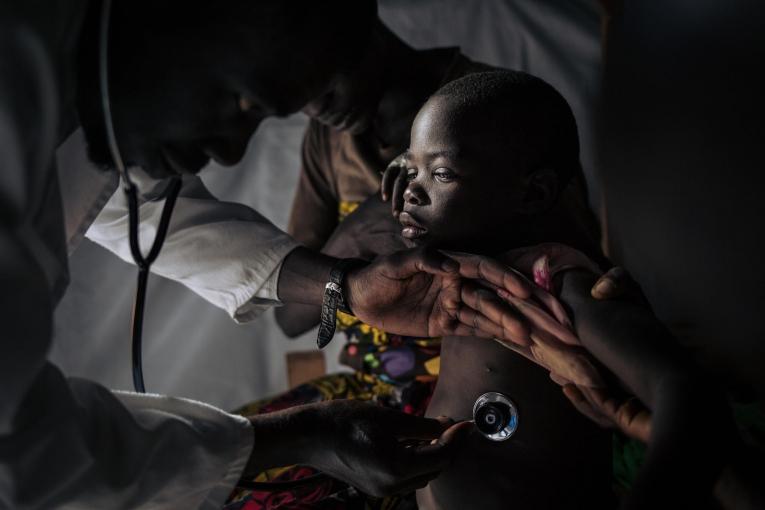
(227, 253)
(71, 443)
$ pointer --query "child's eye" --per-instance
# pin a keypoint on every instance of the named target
(444, 174)
(411, 174)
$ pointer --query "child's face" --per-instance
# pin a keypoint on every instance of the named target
(462, 191)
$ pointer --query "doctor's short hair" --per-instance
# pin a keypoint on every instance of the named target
(522, 112)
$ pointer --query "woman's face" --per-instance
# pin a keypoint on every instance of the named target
(351, 102)
(460, 192)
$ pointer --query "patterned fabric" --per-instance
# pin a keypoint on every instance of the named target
(393, 359)
(325, 494)
(345, 208)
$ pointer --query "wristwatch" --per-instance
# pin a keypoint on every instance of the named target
(334, 299)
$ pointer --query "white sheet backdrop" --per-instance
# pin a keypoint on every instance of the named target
(193, 349)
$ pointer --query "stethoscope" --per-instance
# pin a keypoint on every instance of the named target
(495, 415)
(131, 193)
(144, 262)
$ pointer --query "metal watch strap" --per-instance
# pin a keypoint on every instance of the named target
(334, 300)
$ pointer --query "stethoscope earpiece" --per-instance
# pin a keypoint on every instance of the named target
(495, 416)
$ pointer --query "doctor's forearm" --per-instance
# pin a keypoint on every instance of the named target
(303, 276)
(282, 438)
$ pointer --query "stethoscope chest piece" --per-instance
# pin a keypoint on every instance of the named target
(495, 416)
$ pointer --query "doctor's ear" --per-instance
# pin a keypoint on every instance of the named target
(542, 190)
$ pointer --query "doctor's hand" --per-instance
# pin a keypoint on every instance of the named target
(425, 293)
(381, 451)
(378, 450)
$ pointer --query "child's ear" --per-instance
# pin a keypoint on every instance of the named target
(542, 187)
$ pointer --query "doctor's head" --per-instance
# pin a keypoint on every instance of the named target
(190, 82)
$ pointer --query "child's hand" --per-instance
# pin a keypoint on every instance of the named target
(366, 232)
(394, 184)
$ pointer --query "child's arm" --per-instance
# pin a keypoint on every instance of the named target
(692, 427)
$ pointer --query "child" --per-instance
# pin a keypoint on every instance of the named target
(488, 155)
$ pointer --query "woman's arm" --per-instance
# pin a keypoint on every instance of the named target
(692, 428)
(313, 217)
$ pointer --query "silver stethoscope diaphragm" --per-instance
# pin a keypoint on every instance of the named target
(495, 416)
